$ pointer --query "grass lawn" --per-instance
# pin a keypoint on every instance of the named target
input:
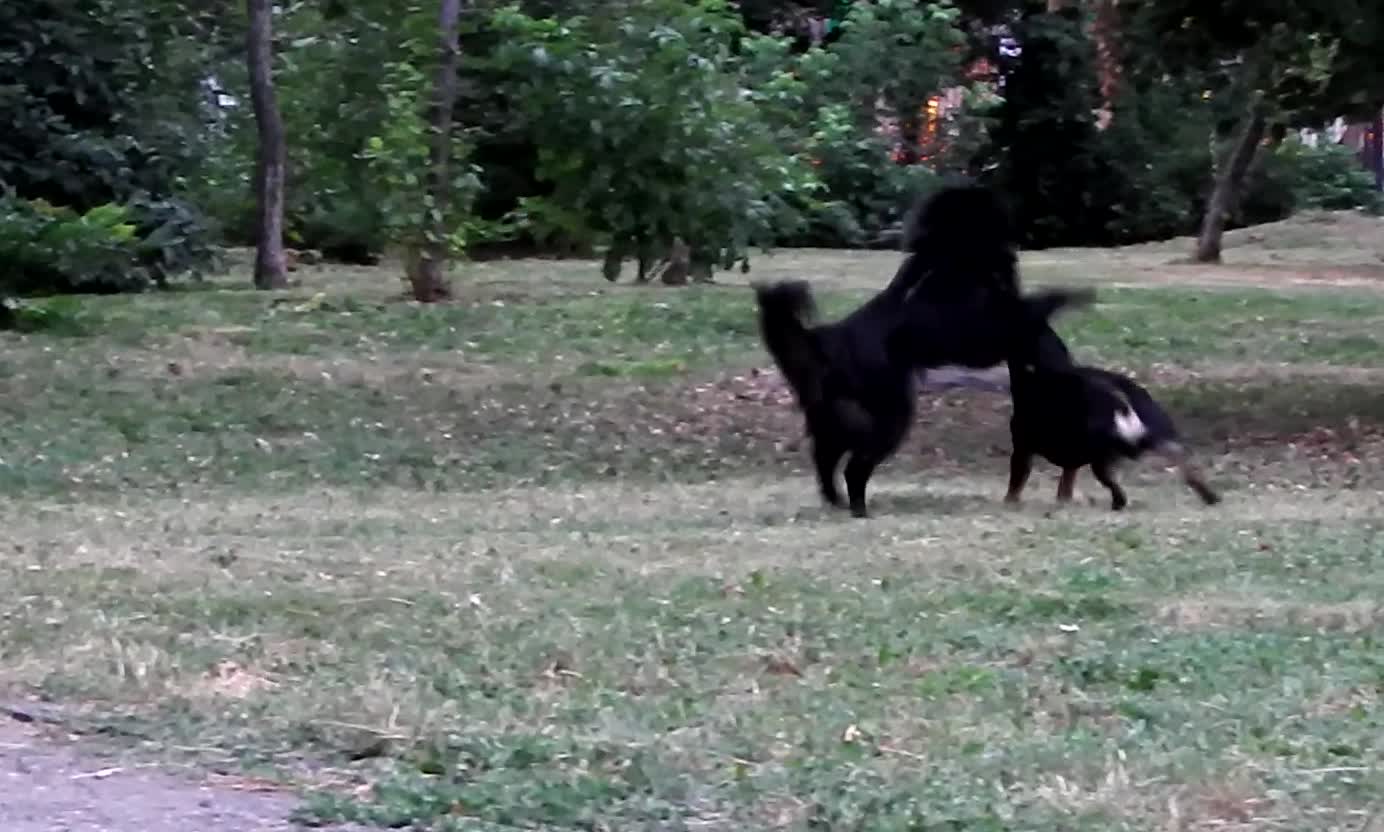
(551, 557)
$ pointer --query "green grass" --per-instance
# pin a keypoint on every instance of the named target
(538, 559)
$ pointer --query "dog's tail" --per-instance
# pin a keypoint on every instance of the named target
(1044, 304)
(786, 313)
(1155, 430)
(1175, 453)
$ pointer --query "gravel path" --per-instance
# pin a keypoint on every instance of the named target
(49, 786)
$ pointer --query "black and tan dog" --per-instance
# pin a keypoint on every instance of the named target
(1076, 416)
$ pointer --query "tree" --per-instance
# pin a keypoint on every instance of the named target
(1229, 179)
(427, 272)
(899, 53)
(102, 128)
(271, 268)
(1268, 65)
(650, 132)
(1047, 137)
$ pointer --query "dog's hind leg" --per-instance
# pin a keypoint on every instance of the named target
(1189, 471)
(1020, 466)
(1066, 485)
(826, 456)
(858, 470)
(1105, 475)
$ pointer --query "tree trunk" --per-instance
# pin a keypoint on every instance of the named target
(910, 122)
(1378, 150)
(429, 279)
(1228, 182)
(271, 268)
(1105, 30)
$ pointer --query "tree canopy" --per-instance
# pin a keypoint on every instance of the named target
(637, 127)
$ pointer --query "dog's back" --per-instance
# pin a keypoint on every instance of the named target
(1074, 416)
(987, 329)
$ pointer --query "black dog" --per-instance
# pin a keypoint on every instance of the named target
(855, 397)
(1074, 416)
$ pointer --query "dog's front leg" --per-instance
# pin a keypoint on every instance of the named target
(858, 470)
(1066, 485)
(1020, 466)
(826, 456)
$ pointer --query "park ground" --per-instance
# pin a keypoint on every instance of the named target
(549, 556)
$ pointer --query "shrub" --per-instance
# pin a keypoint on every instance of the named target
(891, 57)
(49, 250)
(1298, 176)
(648, 129)
(1156, 162)
(174, 238)
(95, 120)
(864, 192)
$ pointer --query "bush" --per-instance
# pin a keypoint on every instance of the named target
(174, 238)
(894, 53)
(649, 129)
(1144, 177)
(1051, 161)
(864, 192)
(1156, 164)
(1298, 177)
(94, 124)
(49, 250)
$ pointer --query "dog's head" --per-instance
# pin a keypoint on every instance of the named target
(965, 241)
(961, 213)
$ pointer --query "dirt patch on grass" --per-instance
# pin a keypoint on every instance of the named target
(212, 353)
(1251, 371)
(47, 784)
(1247, 613)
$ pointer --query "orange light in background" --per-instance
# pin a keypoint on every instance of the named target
(932, 120)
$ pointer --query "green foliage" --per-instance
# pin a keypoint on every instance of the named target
(1313, 60)
(174, 238)
(327, 74)
(864, 190)
(1051, 163)
(898, 54)
(1147, 175)
(96, 120)
(647, 129)
(399, 162)
(1156, 161)
(1329, 177)
(47, 249)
